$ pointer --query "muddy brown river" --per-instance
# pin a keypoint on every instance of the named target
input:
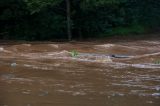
(106, 73)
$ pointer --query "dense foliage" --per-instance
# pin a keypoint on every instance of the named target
(46, 19)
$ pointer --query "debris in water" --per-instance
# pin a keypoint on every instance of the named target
(156, 94)
(104, 60)
(105, 45)
(13, 64)
(1, 49)
(25, 92)
(74, 53)
(158, 88)
(120, 56)
(54, 45)
(44, 93)
(8, 76)
(26, 45)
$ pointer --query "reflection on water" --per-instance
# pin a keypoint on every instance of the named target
(47, 75)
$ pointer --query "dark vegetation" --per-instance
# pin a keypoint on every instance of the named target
(47, 19)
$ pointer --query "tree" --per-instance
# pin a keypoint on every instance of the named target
(37, 5)
(69, 19)
(69, 30)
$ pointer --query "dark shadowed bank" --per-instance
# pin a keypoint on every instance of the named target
(47, 19)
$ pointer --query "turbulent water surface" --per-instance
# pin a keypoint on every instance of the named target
(124, 73)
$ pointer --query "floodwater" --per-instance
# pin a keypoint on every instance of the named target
(122, 73)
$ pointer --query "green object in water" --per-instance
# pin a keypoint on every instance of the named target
(74, 53)
(157, 62)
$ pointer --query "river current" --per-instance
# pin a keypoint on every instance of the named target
(124, 73)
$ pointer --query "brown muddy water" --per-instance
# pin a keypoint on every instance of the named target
(124, 73)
